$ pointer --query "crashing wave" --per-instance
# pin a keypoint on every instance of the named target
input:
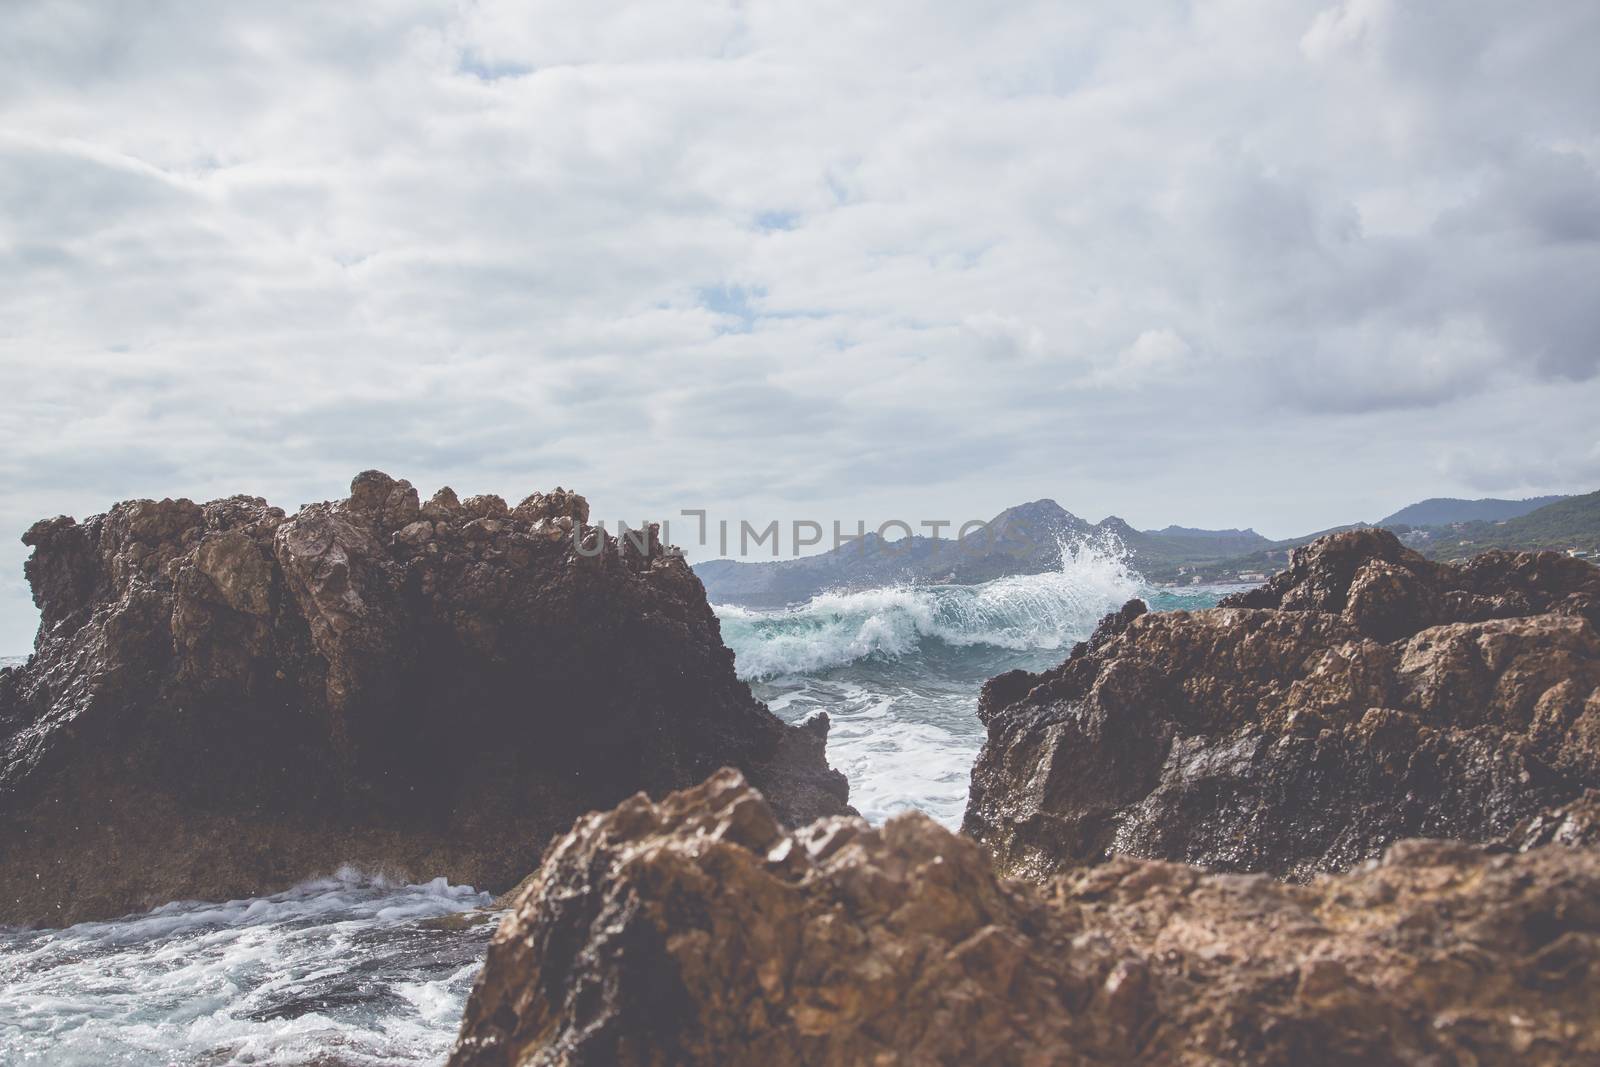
(1031, 611)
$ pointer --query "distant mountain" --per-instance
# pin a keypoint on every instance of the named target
(1193, 533)
(1446, 510)
(1020, 540)
(1571, 523)
(1564, 523)
(1024, 539)
(1209, 543)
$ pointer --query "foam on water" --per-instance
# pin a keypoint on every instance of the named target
(898, 669)
(339, 970)
(1033, 611)
(900, 746)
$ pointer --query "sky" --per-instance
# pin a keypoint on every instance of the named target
(1263, 263)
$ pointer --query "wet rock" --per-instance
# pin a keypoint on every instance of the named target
(1577, 823)
(699, 931)
(1363, 696)
(224, 700)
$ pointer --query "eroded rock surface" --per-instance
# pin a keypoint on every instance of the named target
(1363, 696)
(224, 699)
(699, 931)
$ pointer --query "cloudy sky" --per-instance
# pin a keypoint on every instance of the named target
(1282, 263)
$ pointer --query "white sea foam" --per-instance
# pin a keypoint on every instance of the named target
(337, 970)
(898, 670)
(1033, 611)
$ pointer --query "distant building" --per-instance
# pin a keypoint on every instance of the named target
(1252, 576)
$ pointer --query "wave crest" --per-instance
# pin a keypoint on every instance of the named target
(1029, 611)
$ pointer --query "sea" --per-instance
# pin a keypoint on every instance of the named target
(351, 970)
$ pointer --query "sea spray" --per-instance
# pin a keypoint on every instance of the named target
(1023, 612)
(898, 669)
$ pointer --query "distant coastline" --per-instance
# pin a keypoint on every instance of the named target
(1030, 539)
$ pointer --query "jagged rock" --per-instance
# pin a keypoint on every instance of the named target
(224, 699)
(557, 504)
(1363, 696)
(442, 506)
(699, 931)
(487, 506)
(1388, 591)
(1577, 823)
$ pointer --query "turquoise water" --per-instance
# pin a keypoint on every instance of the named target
(898, 670)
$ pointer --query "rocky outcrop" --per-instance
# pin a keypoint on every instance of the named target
(224, 698)
(699, 931)
(1363, 696)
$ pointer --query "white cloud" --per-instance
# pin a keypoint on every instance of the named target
(767, 256)
(1158, 355)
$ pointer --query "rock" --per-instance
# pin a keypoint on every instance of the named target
(239, 570)
(401, 508)
(442, 506)
(1577, 823)
(1363, 696)
(1323, 576)
(482, 529)
(369, 492)
(699, 931)
(415, 535)
(558, 504)
(488, 506)
(224, 700)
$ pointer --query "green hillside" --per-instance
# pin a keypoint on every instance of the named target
(1569, 524)
(1447, 510)
(1266, 560)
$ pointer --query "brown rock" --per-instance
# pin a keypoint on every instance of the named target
(224, 700)
(1577, 823)
(442, 506)
(487, 506)
(234, 563)
(698, 931)
(1387, 601)
(553, 505)
(1363, 696)
(1325, 576)
(482, 529)
(401, 508)
(415, 534)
